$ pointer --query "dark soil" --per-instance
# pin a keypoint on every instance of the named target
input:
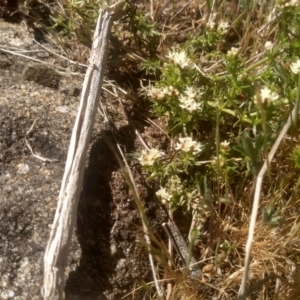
(106, 260)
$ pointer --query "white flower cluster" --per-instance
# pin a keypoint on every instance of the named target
(187, 101)
(187, 144)
(160, 93)
(210, 26)
(224, 145)
(222, 27)
(267, 96)
(233, 52)
(148, 157)
(180, 59)
(285, 3)
(163, 195)
(269, 45)
(295, 67)
(221, 161)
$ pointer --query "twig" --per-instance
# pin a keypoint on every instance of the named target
(171, 253)
(29, 147)
(257, 286)
(277, 288)
(147, 283)
(151, 10)
(61, 56)
(16, 50)
(180, 10)
(39, 61)
(141, 139)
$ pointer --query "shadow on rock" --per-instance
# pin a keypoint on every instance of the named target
(112, 262)
(94, 224)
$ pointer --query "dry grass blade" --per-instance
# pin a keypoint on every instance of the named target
(131, 183)
(146, 227)
(291, 120)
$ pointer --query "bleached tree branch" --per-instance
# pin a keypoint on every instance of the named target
(65, 216)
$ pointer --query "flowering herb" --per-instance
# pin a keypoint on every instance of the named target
(148, 157)
(295, 67)
(187, 144)
(163, 195)
(179, 58)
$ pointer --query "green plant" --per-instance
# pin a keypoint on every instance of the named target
(295, 156)
(225, 103)
(187, 95)
(225, 108)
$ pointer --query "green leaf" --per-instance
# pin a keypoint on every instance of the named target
(201, 183)
(212, 104)
(229, 111)
(259, 143)
(248, 147)
(247, 120)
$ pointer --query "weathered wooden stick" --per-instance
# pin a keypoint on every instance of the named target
(60, 238)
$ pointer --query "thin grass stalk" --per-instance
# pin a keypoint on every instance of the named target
(131, 184)
(291, 120)
(218, 151)
(170, 249)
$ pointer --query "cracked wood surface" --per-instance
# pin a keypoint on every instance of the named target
(60, 238)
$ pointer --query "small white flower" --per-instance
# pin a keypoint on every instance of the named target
(186, 144)
(267, 96)
(148, 158)
(191, 92)
(160, 93)
(283, 3)
(188, 104)
(224, 145)
(269, 45)
(179, 58)
(163, 195)
(165, 91)
(222, 27)
(153, 92)
(160, 96)
(295, 67)
(242, 76)
(233, 52)
(210, 26)
(187, 101)
(171, 91)
(292, 3)
(295, 2)
(221, 161)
